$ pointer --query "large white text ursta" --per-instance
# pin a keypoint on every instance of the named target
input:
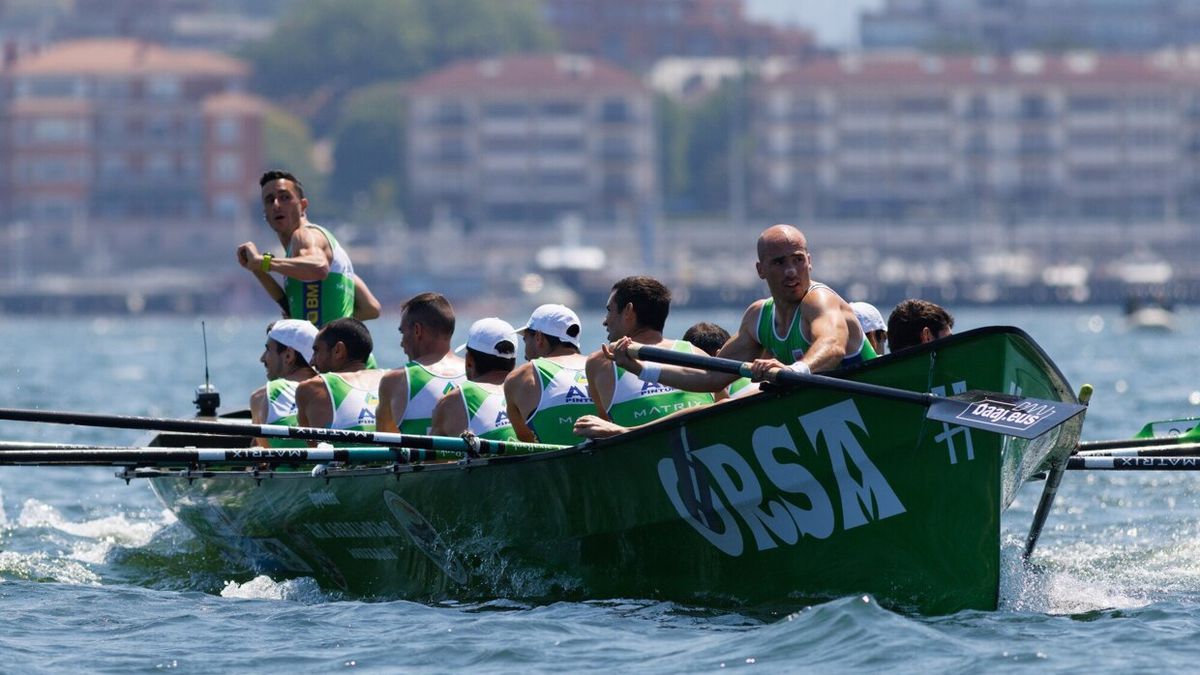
(714, 507)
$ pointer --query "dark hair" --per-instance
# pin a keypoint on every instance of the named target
(910, 317)
(709, 337)
(431, 310)
(280, 174)
(350, 332)
(486, 363)
(651, 300)
(555, 342)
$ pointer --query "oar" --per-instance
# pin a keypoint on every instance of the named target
(1133, 464)
(1018, 416)
(1132, 443)
(216, 428)
(119, 456)
(1160, 450)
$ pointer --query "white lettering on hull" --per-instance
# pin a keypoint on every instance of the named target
(724, 491)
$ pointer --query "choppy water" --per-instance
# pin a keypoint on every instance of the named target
(95, 575)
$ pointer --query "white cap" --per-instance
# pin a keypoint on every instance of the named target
(487, 334)
(296, 334)
(868, 317)
(556, 321)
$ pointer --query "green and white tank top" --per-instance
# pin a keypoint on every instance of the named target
(353, 408)
(425, 389)
(283, 411)
(330, 298)
(487, 414)
(565, 398)
(791, 346)
(636, 402)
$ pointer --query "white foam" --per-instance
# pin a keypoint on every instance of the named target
(264, 587)
(114, 529)
(39, 566)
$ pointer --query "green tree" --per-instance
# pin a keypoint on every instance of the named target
(369, 151)
(289, 146)
(322, 49)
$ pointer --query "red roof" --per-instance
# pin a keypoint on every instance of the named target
(527, 73)
(116, 56)
(912, 69)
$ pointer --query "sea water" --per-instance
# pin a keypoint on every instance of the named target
(96, 576)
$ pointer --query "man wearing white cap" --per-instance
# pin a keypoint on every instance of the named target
(546, 395)
(408, 395)
(286, 356)
(874, 329)
(478, 403)
(345, 394)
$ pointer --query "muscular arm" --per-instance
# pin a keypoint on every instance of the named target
(449, 415)
(601, 382)
(366, 307)
(312, 400)
(822, 311)
(258, 411)
(393, 400)
(521, 393)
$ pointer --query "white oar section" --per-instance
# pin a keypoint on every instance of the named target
(1133, 463)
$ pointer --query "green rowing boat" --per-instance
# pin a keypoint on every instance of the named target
(790, 495)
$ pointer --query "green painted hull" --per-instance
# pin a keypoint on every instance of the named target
(772, 499)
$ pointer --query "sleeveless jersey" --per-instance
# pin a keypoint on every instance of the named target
(487, 415)
(789, 348)
(743, 386)
(353, 408)
(330, 298)
(282, 411)
(425, 389)
(565, 398)
(636, 402)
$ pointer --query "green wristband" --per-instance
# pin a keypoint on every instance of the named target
(266, 262)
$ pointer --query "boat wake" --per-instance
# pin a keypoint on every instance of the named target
(304, 590)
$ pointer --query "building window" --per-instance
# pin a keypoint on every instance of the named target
(227, 206)
(114, 166)
(615, 110)
(228, 130)
(226, 167)
(561, 109)
(163, 88)
(505, 110)
(159, 165)
(58, 130)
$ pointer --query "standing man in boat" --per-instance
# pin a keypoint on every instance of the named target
(549, 393)
(286, 355)
(346, 393)
(915, 322)
(636, 311)
(320, 283)
(804, 325)
(408, 395)
(477, 405)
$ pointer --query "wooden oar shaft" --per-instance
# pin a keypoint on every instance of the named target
(243, 429)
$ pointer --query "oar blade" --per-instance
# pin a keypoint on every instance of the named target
(1005, 414)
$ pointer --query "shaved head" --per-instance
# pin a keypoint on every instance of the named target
(775, 235)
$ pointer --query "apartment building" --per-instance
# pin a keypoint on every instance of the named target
(120, 130)
(1001, 26)
(525, 140)
(917, 138)
(637, 33)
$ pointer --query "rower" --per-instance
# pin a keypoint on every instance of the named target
(872, 324)
(320, 284)
(546, 395)
(346, 393)
(915, 322)
(408, 395)
(285, 356)
(636, 311)
(710, 337)
(478, 404)
(804, 325)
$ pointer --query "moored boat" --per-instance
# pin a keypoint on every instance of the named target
(791, 494)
